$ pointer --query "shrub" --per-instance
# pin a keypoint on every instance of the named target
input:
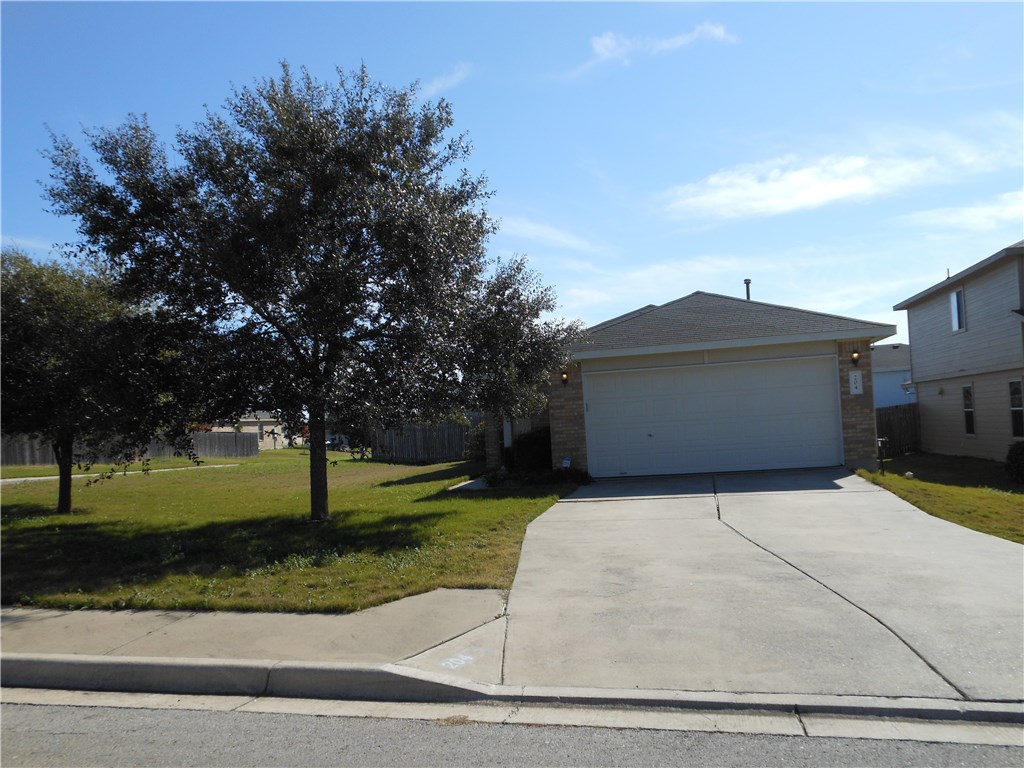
(476, 445)
(530, 452)
(1015, 462)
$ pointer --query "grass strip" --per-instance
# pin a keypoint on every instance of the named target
(239, 538)
(974, 493)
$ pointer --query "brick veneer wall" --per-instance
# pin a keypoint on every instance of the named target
(859, 446)
(565, 408)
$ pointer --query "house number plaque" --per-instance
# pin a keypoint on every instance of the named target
(856, 383)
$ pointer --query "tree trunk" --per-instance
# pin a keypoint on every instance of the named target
(317, 466)
(63, 450)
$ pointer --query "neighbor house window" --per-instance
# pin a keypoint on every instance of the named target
(956, 309)
(259, 429)
(969, 410)
(1017, 408)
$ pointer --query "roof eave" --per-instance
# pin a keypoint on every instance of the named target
(872, 333)
(995, 258)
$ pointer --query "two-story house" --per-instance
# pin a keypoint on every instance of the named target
(967, 357)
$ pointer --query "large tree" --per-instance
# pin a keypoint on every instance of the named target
(332, 229)
(94, 377)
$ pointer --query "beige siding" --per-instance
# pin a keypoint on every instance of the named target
(993, 338)
(942, 416)
(767, 352)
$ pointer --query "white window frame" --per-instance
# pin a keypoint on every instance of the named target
(970, 429)
(1014, 409)
(958, 310)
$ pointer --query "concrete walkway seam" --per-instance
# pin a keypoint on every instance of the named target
(866, 612)
(394, 683)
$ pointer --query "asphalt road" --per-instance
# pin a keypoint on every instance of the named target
(35, 735)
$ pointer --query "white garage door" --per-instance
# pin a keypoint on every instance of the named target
(715, 418)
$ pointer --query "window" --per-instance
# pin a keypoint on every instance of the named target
(1017, 408)
(956, 309)
(259, 428)
(969, 410)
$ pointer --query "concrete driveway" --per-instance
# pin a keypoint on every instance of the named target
(809, 582)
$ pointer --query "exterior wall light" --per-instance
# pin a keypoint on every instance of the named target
(565, 378)
(855, 357)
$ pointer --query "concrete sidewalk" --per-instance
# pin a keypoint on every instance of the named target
(812, 593)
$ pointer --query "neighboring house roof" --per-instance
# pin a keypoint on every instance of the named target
(1011, 251)
(708, 320)
(890, 357)
(259, 416)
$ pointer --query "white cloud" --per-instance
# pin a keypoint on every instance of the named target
(886, 162)
(1006, 209)
(30, 244)
(612, 46)
(443, 83)
(543, 233)
(789, 184)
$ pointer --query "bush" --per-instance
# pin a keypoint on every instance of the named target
(530, 453)
(476, 443)
(1015, 462)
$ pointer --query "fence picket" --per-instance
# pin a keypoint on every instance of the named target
(20, 449)
(900, 426)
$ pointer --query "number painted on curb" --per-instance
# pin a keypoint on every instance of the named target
(463, 658)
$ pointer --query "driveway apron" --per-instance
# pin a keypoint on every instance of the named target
(809, 582)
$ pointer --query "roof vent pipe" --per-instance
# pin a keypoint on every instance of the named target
(746, 282)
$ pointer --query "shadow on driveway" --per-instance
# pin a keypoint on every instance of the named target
(774, 481)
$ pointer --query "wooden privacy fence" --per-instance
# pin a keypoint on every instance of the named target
(19, 449)
(421, 444)
(900, 426)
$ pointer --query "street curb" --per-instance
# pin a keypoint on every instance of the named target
(396, 683)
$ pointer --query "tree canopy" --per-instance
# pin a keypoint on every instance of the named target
(331, 230)
(93, 376)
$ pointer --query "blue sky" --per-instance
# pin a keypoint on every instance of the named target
(842, 156)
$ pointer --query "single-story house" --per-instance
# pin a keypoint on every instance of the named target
(712, 383)
(268, 428)
(890, 374)
(967, 357)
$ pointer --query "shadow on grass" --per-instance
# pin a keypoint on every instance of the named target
(12, 512)
(960, 471)
(67, 555)
(449, 473)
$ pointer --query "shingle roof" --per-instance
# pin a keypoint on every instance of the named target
(709, 319)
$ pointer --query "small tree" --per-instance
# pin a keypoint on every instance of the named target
(513, 345)
(90, 375)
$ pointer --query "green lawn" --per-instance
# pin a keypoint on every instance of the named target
(974, 493)
(239, 538)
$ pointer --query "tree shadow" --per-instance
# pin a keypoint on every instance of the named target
(449, 473)
(92, 557)
(32, 511)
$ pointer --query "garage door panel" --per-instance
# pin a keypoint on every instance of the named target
(763, 415)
